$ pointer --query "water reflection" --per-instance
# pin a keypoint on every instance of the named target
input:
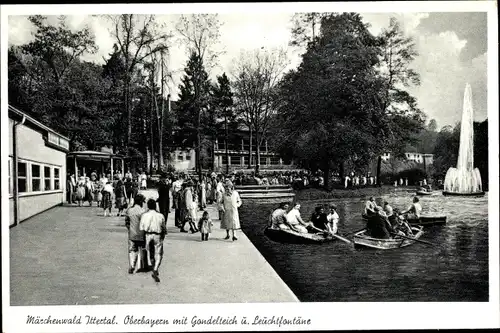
(454, 270)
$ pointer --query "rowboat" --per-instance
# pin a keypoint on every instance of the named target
(424, 220)
(424, 192)
(291, 236)
(362, 239)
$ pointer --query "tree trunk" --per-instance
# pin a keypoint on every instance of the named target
(257, 148)
(341, 172)
(128, 110)
(379, 166)
(198, 144)
(225, 144)
(160, 121)
(250, 149)
(326, 177)
(151, 140)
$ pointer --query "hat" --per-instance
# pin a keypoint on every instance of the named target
(332, 206)
(189, 183)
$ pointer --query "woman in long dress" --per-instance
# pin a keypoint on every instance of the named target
(120, 195)
(89, 190)
(80, 190)
(97, 192)
(230, 203)
(203, 190)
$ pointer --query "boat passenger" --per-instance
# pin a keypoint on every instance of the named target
(400, 226)
(278, 217)
(319, 218)
(295, 220)
(414, 211)
(370, 206)
(389, 212)
(378, 226)
(332, 219)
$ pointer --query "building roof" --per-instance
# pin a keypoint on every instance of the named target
(91, 154)
(18, 114)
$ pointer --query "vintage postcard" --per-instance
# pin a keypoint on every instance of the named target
(250, 166)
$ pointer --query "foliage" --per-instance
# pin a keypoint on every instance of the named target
(256, 78)
(200, 32)
(193, 105)
(330, 111)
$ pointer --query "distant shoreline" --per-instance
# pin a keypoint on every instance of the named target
(318, 194)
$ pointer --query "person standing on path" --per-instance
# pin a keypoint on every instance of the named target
(106, 198)
(176, 200)
(230, 203)
(154, 226)
(120, 194)
(190, 208)
(164, 196)
(136, 237)
(219, 195)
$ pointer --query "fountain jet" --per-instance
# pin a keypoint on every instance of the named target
(465, 179)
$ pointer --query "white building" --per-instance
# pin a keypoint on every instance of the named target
(413, 156)
(183, 159)
(36, 167)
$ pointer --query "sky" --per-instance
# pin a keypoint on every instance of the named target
(452, 50)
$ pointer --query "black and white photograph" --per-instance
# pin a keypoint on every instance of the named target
(250, 166)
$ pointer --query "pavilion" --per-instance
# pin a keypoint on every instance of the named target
(81, 162)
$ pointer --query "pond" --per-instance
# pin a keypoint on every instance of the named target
(456, 269)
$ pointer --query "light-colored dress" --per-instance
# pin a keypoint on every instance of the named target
(231, 219)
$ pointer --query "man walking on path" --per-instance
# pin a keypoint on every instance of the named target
(135, 234)
(176, 205)
(164, 196)
(153, 224)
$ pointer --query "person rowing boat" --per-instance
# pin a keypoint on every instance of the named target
(378, 225)
(319, 219)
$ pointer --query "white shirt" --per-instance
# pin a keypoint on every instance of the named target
(333, 221)
(369, 205)
(152, 221)
(293, 216)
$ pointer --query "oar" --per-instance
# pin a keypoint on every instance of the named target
(341, 238)
(334, 235)
(414, 239)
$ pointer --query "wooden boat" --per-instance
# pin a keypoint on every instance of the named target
(456, 194)
(424, 220)
(420, 192)
(290, 236)
(362, 239)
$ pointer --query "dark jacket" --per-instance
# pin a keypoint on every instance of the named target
(319, 220)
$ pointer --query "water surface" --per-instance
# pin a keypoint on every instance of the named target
(456, 269)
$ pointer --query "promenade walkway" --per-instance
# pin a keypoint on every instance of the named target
(76, 256)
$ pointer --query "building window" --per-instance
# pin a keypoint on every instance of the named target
(46, 178)
(188, 157)
(275, 160)
(180, 157)
(21, 177)
(224, 159)
(36, 178)
(57, 182)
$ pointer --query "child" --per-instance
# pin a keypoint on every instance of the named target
(205, 226)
